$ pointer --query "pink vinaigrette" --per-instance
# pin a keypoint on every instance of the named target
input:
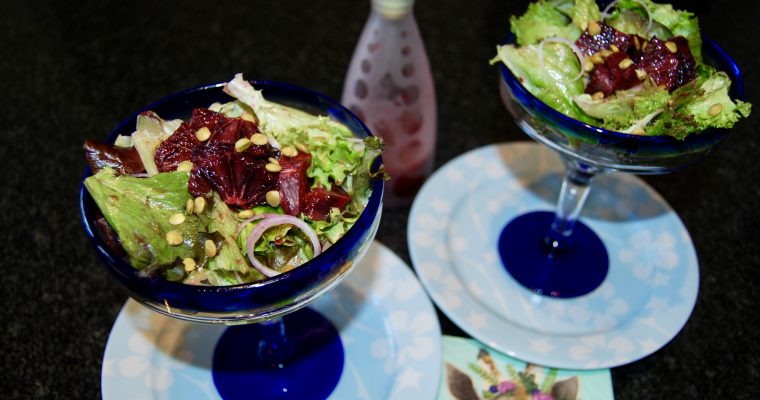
(389, 86)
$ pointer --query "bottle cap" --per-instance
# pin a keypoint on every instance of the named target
(393, 8)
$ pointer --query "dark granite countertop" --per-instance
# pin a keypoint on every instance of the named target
(73, 70)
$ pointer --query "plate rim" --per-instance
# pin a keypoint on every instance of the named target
(427, 387)
(511, 348)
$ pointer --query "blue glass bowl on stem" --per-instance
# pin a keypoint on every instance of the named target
(552, 253)
(275, 354)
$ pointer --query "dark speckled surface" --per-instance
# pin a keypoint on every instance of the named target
(71, 71)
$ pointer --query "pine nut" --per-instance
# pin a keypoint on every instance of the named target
(242, 145)
(174, 238)
(259, 140)
(594, 28)
(203, 134)
(273, 198)
(210, 248)
(176, 219)
(189, 264)
(200, 205)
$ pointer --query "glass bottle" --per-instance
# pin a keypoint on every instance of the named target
(389, 86)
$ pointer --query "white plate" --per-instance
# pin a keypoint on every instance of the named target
(388, 327)
(643, 303)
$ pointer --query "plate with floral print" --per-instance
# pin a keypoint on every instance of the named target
(387, 325)
(645, 300)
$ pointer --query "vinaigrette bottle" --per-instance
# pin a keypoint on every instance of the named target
(389, 86)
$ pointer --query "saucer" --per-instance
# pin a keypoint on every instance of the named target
(644, 301)
(387, 325)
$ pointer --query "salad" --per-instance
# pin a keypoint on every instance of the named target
(635, 67)
(237, 193)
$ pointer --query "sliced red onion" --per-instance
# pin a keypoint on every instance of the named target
(274, 220)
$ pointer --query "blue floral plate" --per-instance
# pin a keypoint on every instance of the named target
(643, 303)
(388, 327)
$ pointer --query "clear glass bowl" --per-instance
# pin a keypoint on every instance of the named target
(612, 150)
(252, 302)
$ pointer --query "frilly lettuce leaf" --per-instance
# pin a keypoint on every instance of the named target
(273, 118)
(554, 81)
(336, 153)
(542, 20)
(692, 106)
(336, 225)
(712, 98)
(626, 110)
(716, 92)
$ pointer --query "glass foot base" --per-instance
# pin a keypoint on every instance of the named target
(310, 365)
(571, 272)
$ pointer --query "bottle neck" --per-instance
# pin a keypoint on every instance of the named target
(392, 9)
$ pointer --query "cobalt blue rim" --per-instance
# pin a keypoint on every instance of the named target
(127, 274)
(711, 51)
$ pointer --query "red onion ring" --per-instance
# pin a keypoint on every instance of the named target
(274, 220)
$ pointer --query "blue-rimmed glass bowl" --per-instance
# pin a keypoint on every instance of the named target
(253, 301)
(571, 260)
(608, 149)
(278, 355)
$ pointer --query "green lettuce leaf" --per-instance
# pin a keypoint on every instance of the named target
(273, 118)
(542, 20)
(335, 226)
(220, 218)
(138, 210)
(713, 94)
(335, 152)
(229, 258)
(554, 81)
(583, 12)
(694, 104)
(232, 109)
(635, 23)
(222, 221)
(151, 131)
(358, 186)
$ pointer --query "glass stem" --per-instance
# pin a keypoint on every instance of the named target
(575, 188)
(273, 347)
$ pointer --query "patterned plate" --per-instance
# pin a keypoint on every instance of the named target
(388, 327)
(644, 302)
